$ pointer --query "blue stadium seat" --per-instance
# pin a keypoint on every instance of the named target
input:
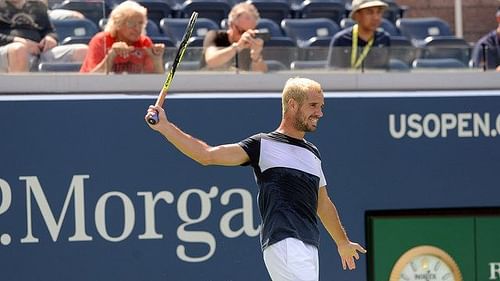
(282, 49)
(389, 27)
(331, 9)
(417, 29)
(174, 28)
(394, 11)
(153, 32)
(302, 30)
(93, 10)
(275, 10)
(271, 26)
(274, 65)
(346, 22)
(74, 30)
(216, 10)
(59, 67)
(398, 65)
(402, 49)
(157, 9)
(316, 48)
(438, 63)
(446, 47)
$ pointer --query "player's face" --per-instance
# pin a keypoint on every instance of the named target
(370, 18)
(309, 113)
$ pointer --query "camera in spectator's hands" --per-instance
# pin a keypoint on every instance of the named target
(262, 34)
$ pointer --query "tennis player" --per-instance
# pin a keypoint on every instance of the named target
(292, 186)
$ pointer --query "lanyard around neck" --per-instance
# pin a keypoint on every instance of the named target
(354, 53)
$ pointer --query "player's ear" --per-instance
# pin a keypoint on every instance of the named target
(292, 104)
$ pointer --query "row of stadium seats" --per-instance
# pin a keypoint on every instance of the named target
(217, 10)
(411, 37)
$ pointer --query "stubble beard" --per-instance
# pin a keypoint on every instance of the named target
(301, 124)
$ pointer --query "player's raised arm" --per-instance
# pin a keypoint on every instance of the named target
(198, 150)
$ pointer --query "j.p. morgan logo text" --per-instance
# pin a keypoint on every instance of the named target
(443, 125)
(36, 201)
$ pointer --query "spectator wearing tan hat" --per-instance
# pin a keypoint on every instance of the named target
(369, 46)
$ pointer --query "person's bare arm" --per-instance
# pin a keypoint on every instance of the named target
(199, 151)
(156, 54)
(117, 49)
(328, 214)
(106, 64)
(217, 56)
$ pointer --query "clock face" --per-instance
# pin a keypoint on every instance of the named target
(426, 268)
(425, 263)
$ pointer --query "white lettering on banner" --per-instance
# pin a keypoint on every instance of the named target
(75, 188)
(494, 270)
(195, 236)
(128, 214)
(246, 211)
(76, 193)
(6, 196)
(149, 212)
(433, 125)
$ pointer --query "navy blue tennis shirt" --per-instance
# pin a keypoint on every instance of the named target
(288, 173)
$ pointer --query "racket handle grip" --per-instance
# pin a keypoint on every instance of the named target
(153, 118)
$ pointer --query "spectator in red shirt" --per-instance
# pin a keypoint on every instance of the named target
(122, 47)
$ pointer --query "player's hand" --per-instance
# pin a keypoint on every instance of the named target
(348, 251)
(121, 49)
(162, 117)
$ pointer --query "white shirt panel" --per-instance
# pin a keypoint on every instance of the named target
(277, 154)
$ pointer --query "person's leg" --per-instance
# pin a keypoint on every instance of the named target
(17, 57)
(4, 59)
(66, 53)
(63, 14)
(292, 260)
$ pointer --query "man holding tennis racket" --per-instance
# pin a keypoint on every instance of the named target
(292, 186)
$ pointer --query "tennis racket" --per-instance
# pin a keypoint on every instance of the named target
(153, 118)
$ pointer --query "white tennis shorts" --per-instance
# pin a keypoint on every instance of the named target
(292, 260)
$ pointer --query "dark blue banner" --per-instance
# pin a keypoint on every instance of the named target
(89, 192)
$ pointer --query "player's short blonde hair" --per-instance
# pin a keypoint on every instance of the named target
(240, 9)
(297, 89)
(121, 13)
